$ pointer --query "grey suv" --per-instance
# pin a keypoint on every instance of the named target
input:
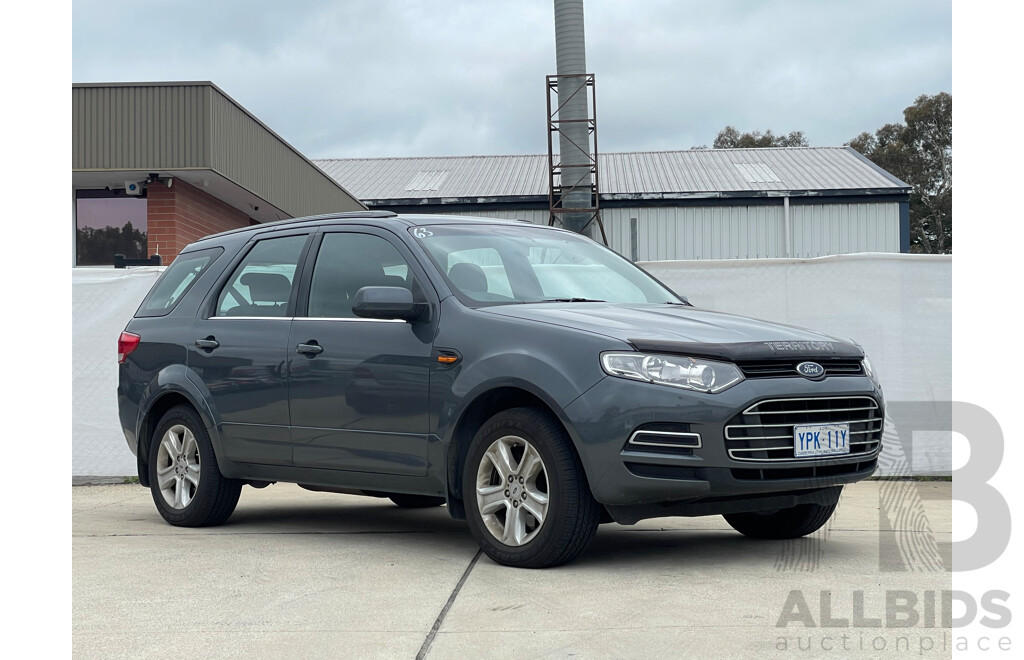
(532, 380)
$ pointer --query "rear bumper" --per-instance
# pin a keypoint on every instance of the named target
(128, 413)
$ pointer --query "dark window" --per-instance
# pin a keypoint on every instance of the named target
(108, 225)
(176, 281)
(347, 263)
(262, 283)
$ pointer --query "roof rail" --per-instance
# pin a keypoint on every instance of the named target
(290, 221)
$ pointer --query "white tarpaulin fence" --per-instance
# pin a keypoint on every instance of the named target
(898, 307)
(103, 300)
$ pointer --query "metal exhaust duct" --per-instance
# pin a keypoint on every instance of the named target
(574, 139)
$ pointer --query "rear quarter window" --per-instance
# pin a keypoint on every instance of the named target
(176, 281)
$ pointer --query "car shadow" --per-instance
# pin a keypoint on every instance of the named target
(375, 517)
(614, 544)
(694, 548)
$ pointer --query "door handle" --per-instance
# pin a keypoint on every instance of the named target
(208, 344)
(309, 349)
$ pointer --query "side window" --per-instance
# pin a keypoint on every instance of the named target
(346, 263)
(262, 282)
(176, 281)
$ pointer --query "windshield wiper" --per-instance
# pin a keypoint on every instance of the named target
(570, 300)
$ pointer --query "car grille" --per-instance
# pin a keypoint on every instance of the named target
(764, 431)
(787, 368)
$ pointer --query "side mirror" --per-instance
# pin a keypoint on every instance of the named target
(386, 302)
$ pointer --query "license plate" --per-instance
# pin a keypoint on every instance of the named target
(821, 440)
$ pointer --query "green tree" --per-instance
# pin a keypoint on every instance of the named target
(97, 247)
(920, 152)
(730, 138)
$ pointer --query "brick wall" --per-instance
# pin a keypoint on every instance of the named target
(183, 213)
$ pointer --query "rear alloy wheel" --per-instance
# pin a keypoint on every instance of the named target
(791, 523)
(526, 496)
(177, 466)
(184, 477)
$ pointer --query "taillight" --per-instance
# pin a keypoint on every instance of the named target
(126, 343)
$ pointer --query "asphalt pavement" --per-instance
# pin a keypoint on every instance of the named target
(298, 574)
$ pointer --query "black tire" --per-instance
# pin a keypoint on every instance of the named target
(415, 501)
(792, 523)
(570, 514)
(182, 502)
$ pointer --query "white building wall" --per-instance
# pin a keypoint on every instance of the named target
(742, 232)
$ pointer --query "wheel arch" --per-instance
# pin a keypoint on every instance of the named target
(170, 392)
(482, 406)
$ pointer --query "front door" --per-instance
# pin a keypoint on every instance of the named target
(358, 387)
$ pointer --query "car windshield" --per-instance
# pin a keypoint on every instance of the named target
(499, 264)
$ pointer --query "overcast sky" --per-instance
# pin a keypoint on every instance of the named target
(376, 78)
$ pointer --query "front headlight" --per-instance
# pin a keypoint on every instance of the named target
(688, 373)
(869, 371)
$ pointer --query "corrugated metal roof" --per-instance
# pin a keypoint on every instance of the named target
(452, 176)
(659, 173)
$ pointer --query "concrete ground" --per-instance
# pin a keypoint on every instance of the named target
(297, 574)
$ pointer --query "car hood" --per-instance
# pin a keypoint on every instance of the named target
(677, 329)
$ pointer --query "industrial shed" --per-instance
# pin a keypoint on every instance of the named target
(697, 204)
(157, 165)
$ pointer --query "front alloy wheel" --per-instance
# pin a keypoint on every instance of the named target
(527, 500)
(512, 490)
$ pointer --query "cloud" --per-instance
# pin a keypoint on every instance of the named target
(391, 78)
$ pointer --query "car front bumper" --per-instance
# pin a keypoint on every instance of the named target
(636, 481)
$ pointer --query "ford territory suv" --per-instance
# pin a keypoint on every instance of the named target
(535, 382)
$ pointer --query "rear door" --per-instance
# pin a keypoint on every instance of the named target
(239, 349)
(358, 387)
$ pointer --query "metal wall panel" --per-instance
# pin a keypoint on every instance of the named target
(124, 127)
(698, 232)
(753, 232)
(822, 229)
(257, 159)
